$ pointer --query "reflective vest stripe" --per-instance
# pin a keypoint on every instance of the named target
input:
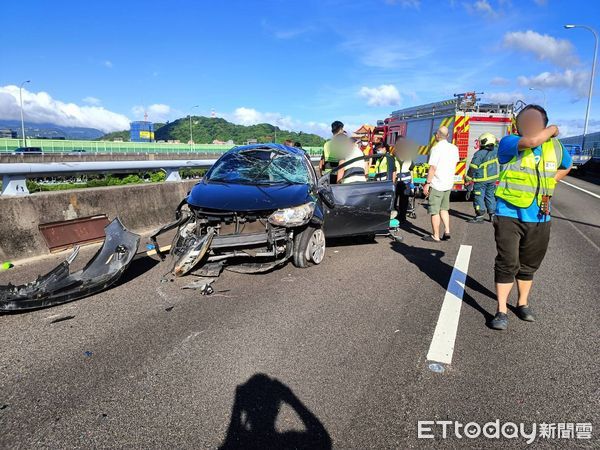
(484, 166)
(523, 181)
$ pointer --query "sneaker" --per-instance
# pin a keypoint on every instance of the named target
(499, 322)
(476, 219)
(525, 313)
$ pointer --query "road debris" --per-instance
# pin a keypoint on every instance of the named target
(61, 286)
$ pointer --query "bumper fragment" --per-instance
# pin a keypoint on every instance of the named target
(60, 286)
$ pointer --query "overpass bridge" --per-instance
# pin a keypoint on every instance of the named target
(64, 147)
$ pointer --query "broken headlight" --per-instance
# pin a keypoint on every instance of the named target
(293, 217)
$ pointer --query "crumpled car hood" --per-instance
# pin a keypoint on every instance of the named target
(244, 197)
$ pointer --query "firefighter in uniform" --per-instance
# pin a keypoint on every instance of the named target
(483, 172)
(333, 150)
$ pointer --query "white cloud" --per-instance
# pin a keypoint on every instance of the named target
(405, 3)
(384, 95)
(545, 47)
(575, 81)
(251, 116)
(108, 64)
(487, 9)
(157, 112)
(574, 127)
(394, 54)
(499, 81)
(91, 101)
(502, 97)
(40, 107)
(481, 6)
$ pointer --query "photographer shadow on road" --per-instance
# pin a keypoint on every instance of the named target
(257, 405)
(429, 261)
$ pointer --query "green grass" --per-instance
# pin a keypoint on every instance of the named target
(110, 180)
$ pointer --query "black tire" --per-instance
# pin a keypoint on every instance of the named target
(309, 247)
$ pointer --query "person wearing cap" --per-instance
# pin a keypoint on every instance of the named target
(483, 172)
(334, 150)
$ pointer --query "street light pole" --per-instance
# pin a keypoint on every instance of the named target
(589, 102)
(543, 93)
(191, 133)
(22, 120)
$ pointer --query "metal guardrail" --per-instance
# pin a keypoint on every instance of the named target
(14, 175)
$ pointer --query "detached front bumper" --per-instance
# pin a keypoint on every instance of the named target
(61, 286)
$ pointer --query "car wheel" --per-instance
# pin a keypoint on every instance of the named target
(309, 247)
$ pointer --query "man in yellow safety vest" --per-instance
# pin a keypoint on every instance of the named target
(531, 163)
(334, 150)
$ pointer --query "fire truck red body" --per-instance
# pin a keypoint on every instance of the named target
(466, 119)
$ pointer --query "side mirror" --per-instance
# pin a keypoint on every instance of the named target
(326, 195)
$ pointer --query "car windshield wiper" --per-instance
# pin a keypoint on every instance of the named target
(266, 167)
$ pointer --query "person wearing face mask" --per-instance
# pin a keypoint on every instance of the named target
(381, 166)
(531, 164)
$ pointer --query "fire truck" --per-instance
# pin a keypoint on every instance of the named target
(466, 118)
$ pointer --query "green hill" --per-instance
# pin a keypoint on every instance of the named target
(206, 130)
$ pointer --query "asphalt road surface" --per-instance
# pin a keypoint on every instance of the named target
(334, 355)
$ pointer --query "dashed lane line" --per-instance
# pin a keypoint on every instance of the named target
(444, 336)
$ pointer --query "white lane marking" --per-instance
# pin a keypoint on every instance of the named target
(442, 344)
(562, 216)
(579, 188)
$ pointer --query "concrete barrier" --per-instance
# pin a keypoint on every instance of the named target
(140, 207)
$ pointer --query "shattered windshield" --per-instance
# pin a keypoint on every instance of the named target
(260, 166)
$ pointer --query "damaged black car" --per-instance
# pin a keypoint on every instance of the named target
(262, 205)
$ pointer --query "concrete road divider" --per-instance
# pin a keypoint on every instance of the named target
(140, 206)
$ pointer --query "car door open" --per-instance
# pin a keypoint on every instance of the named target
(360, 207)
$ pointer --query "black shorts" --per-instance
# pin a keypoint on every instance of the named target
(521, 248)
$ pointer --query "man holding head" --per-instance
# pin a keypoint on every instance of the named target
(440, 179)
(531, 164)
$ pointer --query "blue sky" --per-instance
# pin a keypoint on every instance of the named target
(299, 64)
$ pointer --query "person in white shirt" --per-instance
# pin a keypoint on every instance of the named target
(440, 179)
